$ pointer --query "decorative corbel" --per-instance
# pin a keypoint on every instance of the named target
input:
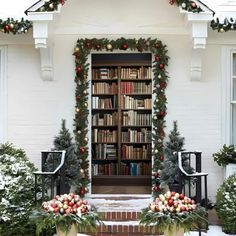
(196, 64)
(46, 63)
(40, 34)
(198, 23)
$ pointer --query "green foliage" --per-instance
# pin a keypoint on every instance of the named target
(226, 204)
(185, 220)
(85, 222)
(16, 191)
(63, 141)
(226, 155)
(175, 143)
(187, 5)
(14, 26)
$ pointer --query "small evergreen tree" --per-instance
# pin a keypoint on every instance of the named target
(63, 141)
(170, 173)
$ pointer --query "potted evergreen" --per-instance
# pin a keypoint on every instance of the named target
(226, 157)
(170, 171)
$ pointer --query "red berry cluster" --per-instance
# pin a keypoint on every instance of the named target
(67, 204)
(172, 202)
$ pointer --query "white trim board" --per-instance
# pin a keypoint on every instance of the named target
(226, 92)
(3, 94)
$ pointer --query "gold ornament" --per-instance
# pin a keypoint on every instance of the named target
(86, 139)
(85, 104)
(77, 49)
(81, 171)
(159, 76)
(109, 46)
(79, 131)
(77, 110)
(222, 30)
(51, 6)
(11, 25)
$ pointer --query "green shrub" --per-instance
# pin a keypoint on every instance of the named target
(226, 204)
(16, 192)
(225, 155)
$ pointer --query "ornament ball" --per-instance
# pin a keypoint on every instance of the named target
(51, 6)
(109, 46)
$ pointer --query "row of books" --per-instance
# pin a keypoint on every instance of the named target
(135, 169)
(135, 118)
(104, 151)
(136, 153)
(105, 73)
(108, 136)
(128, 102)
(136, 87)
(105, 119)
(135, 136)
(104, 88)
(136, 73)
(104, 103)
(104, 169)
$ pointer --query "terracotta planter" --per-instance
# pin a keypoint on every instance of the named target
(175, 232)
(72, 232)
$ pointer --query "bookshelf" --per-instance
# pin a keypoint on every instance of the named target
(121, 107)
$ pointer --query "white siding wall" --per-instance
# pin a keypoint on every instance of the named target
(36, 107)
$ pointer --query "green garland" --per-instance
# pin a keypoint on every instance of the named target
(14, 26)
(51, 5)
(82, 49)
(168, 221)
(187, 5)
(226, 25)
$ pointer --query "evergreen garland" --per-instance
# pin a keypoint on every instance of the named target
(51, 5)
(14, 26)
(187, 5)
(81, 52)
(224, 26)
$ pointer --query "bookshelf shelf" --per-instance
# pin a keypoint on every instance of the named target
(121, 94)
(136, 80)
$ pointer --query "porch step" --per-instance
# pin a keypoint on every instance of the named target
(125, 228)
(120, 215)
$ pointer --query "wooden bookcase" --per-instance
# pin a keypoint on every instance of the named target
(121, 99)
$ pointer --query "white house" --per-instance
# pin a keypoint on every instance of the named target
(37, 87)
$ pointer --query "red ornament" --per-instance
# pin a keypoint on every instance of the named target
(125, 46)
(82, 150)
(163, 85)
(181, 196)
(78, 97)
(161, 66)
(157, 45)
(156, 175)
(193, 5)
(62, 2)
(162, 114)
(88, 44)
(157, 58)
(78, 69)
(170, 202)
(6, 27)
(98, 46)
(161, 158)
(156, 188)
(172, 2)
(82, 192)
